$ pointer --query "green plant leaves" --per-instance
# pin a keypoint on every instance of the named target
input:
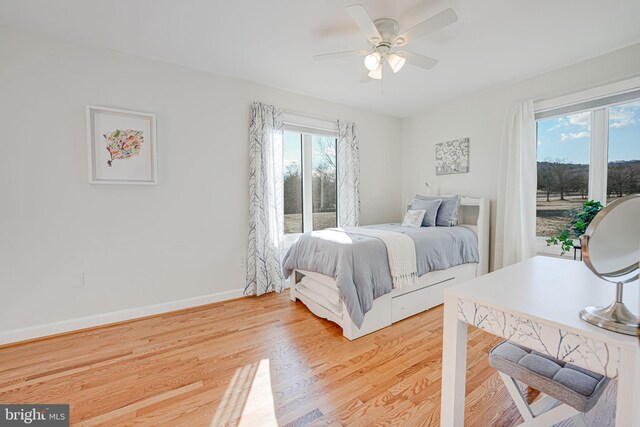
(579, 221)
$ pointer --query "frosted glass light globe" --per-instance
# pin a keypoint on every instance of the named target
(372, 61)
(396, 62)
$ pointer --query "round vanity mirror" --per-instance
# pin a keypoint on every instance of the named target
(611, 249)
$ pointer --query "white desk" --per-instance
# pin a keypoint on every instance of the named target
(536, 303)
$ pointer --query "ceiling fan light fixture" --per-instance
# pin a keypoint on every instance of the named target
(396, 62)
(376, 73)
(382, 35)
(372, 61)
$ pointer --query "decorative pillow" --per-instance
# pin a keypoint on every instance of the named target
(448, 211)
(431, 208)
(413, 218)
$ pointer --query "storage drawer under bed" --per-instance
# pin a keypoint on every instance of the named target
(413, 302)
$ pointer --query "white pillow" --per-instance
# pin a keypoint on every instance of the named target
(413, 218)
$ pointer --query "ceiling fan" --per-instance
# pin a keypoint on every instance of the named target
(385, 38)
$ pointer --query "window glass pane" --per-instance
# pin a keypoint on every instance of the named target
(324, 182)
(563, 169)
(292, 182)
(623, 172)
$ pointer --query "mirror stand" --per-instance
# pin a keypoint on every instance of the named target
(615, 317)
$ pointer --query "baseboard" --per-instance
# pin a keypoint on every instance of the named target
(64, 326)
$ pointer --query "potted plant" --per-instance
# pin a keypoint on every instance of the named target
(579, 221)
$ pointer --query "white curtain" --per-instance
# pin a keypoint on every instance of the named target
(266, 219)
(348, 171)
(516, 209)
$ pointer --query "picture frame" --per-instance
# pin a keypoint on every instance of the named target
(452, 157)
(121, 146)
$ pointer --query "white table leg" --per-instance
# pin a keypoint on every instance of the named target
(454, 365)
(627, 412)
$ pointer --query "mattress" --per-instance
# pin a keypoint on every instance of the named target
(324, 294)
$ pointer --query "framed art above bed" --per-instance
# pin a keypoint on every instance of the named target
(452, 157)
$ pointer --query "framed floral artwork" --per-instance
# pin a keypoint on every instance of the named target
(452, 157)
(121, 146)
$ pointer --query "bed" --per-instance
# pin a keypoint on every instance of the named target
(391, 305)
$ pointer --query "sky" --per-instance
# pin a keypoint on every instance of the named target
(567, 137)
(292, 147)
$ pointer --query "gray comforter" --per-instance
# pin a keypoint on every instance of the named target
(360, 264)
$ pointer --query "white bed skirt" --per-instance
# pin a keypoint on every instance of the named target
(390, 308)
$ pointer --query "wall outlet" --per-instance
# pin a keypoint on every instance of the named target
(242, 261)
(77, 279)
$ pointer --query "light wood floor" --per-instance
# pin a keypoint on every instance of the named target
(252, 361)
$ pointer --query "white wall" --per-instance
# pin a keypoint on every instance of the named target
(137, 245)
(184, 238)
(480, 117)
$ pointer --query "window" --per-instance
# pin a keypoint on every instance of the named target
(563, 168)
(310, 183)
(292, 183)
(324, 188)
(623, 166)
(588, 151)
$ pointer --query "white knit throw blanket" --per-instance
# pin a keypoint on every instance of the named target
(400, 250)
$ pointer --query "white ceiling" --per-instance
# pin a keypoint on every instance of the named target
(271, 41)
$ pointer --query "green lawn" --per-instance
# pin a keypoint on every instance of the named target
(321, 220)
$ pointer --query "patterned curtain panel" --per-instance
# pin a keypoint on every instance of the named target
(266, 219)
(348, 175)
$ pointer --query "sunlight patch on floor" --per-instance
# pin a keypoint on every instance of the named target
(248, 400)
(259, 408)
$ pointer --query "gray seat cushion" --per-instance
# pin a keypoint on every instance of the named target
(575, 386)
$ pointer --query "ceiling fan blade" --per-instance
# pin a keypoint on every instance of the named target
(441, 20)
(338, 55)
(418, 60)
(359, 14)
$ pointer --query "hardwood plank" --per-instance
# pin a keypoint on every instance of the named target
(249, 362)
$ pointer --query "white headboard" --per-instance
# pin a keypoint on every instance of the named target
(474, 214)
